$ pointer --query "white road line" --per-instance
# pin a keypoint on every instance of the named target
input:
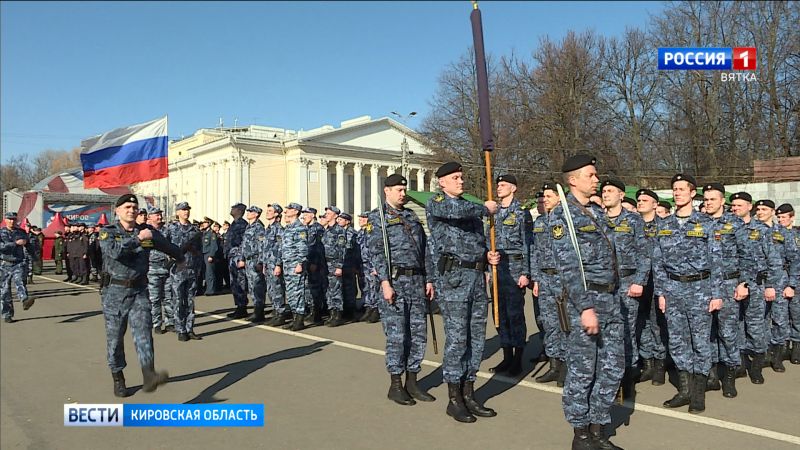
(710, 421)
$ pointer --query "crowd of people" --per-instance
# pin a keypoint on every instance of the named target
(624, 289)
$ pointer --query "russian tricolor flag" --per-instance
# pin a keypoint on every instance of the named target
(126, 155)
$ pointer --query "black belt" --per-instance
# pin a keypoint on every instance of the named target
(601, 287)
(513, 257)
(550, 271)
(397, 271)
(732, 275)
(626, 272)
(761, 277)
(11, 263)
(477, 265)
(136, 283)
(690, 278)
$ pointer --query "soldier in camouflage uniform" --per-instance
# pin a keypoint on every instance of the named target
(159, 284)
(315, 294)
(404, 291)
(785, 215)
(126, 247)
(459, 243)
(633, 263)
(186, 236)
(351, 266)
(688, 284)
(12, 260)
(250, 261)
(595, 344)
(232, 248)
(778, 308)
(513, 225)
(547, 286)
(293, 265)
(335, 243)
(368, 279)
(652, 348)
(270, 258)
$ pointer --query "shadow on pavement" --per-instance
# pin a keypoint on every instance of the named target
(235, 372)
(73, 317)
(73, 291)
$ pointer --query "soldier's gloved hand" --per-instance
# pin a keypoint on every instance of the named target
(589, 322)
(491, 206)
(769, 294)
(429, 291)
(298, 268)
(240, 264)
(788, 292)
(388, 291)
(535, 289)
(635, 290)
(493, 257)
(741, 292)
(523, 282)
(337, 273)
(662, 304)
(277, 271)
(145, 234)
(715, 304)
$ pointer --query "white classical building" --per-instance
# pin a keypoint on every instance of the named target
(258, 165)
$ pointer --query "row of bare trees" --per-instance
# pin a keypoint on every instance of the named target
(23, 172)
(606, 96)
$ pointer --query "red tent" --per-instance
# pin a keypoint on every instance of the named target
(26, 225)
(103, 219)
(57, 224)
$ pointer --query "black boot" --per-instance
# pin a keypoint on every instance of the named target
(367, 313)
(193, 336)
(84, 280)
(472, 404)
(508, 355)
(729, 382)
(767, 357)
(153, 379)
(397, 393)
(455, 406)
(239, 313)
(258, 316)
(278, 320)
(120, 390)
(682, 398)
(777, 358)
(787, 351)
(756, 377)
(292, 318)
(698, 396)
(68, 279)
(627, 385)
(741, 371)
(375, 317)
(598, 438)
(582, 440)
(28, 302)
(647, 370)
(299, 323)
(336, 318)
(552, 373)
(795, 359)
(659, 373)
(183, 337)
(516, 364)
(562, 374)
(713, 379)
(414, 390)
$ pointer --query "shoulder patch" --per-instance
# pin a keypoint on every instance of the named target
(103, 235)
(777, 236)
(558, 232)
(368, 227)
(438, 197)
(587, 228)
(665, 232)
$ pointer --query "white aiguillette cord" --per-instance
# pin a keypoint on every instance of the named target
(571, 226)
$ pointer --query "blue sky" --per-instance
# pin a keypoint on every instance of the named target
(72, 70)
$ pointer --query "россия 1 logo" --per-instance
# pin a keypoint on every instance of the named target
(711, 58)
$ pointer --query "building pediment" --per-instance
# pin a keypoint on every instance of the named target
(384, 134)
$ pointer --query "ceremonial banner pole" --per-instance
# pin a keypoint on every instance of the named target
(487, 141)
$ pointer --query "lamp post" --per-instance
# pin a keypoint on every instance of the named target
(404, 145)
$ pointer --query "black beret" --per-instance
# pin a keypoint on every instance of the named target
(664, 204)
(125, 199)
(784, 208)
(648, 193)
(714, 187)
(508, 178)
(742, 196)
(683, 177)
(767, 203)
(395, 179)
(549, 186)
(448, 168)
(613, 182)
(629, 201)
(576, 162)
(539, 194)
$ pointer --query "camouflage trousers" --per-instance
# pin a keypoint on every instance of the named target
(120, 305)
(595, 364)
(653, 337)
(276, 290)
(184, 288)
(349, 289)
(334, 292)
(794, 318)
(725, 329)
(689, 326)
(159, 287)
(404, 325)
(256, 284)
(461, 295)
(238, 279)
(296, 289)
(16, 273)
(511, 306)
(629, 308)
(752, 322)
(555, 340)
(778, 319)
(370, 290)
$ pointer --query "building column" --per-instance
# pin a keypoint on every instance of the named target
(374, 200)
(302, 181)
(226, 190)
(246, 180)
(420, 179)
(323, 184)
(233, 180)
(358, 179)
(340, 184)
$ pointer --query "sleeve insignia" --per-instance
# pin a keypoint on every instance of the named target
(754, 235)
(438, 197)
(777, 237)
(558, 232)
(587, 228)
(103, 235)
(303, 234)
(368, 228)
